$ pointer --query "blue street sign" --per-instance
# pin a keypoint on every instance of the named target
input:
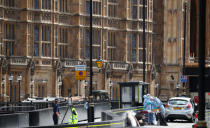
(183, 79)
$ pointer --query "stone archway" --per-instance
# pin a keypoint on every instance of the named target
(69, 84)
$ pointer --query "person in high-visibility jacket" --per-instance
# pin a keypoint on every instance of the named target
(73, 117)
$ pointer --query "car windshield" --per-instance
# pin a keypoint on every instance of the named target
(178, 102)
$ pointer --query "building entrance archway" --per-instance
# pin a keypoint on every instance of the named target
(69, 83)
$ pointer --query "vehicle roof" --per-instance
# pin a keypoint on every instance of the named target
(181, 98)
(99, 91)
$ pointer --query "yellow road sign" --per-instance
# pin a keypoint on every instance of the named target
(80, 75)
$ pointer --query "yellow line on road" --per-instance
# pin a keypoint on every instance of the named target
(105, 124)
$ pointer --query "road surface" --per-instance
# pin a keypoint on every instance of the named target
(175, 124)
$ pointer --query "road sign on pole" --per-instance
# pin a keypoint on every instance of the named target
(80, 72)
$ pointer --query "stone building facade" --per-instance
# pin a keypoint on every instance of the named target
(168, 46)
(42, 40)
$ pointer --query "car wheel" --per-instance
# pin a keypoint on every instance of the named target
(192, 120)
(171, 120)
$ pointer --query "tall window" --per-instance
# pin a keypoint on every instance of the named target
(46, 4)
(140, 55)
(10, 31)
(46, 36)
(10, 3)
(63, 51)
(36, 49)
(96, 7)
(63, 35)
(137, 9)
(134, 48)
(112, 8)
(36, 39)
(36, 4)
(46, 33)
(10, 48)
(111, 46)
(134, 9)
(64, 5)
(87, 43)
(10, 37)
(96, 43)
(36, 33)
(46, 49)
(63, 46)
(87, 7)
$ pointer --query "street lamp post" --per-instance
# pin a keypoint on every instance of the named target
(202, 49)
(10, 79)
(90, 111)
(177, 87)
(2, 84)
(19, 78)
(144, 40)
(156, 89)
(32, 84)
(110, 89)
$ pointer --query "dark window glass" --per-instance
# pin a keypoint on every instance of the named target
(87, 42)
(10, 48)
(134, 1)
(36, 33)
(134, 41)
(36, 49)
(87, 7)
(36, 4)
(134, 12)
(133, 55)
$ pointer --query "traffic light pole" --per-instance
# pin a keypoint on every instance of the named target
(201, 92)
(91, 105)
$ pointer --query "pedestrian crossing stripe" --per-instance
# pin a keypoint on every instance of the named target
(99, 125)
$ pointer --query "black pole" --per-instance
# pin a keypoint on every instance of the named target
(2, 92)
(110, 93)
(19, 90)
(10, 92)
(144, 39)
(91, 106)
(31, 90)
(201, 91)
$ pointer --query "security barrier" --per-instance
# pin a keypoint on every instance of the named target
(43, 117)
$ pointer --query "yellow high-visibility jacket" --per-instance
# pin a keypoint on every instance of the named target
(73, 118)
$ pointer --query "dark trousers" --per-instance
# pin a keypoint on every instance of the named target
(55, 119)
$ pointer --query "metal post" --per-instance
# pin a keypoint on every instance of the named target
(110, 93)
(201, 91)
(91, 106)
(19, 89)
(31, 90)
(10, 92)
(144, 43)
(2, 81)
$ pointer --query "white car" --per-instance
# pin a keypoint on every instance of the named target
(180, 108)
